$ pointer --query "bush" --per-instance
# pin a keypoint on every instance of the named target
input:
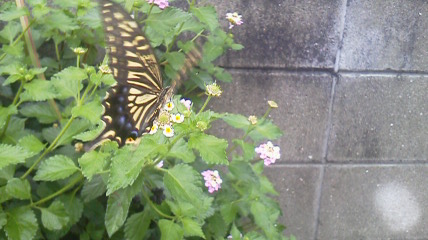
(154, 189)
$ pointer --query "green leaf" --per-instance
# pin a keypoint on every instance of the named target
(137, 225)
(118, 206)
(21, 223)
(18, 188)
(192, 228)
(3, 219)
(73, 207)
(91, 111)
(167, 19)
(58, 20)
(235, 232)
(247, 149)
(228, 212)
(7, 173)
(175, 60)
(93, 188)
(236, 121)
(265, 130)
(261, 217)
(12, 78)
(13, 14)
(92, 163)
(76, 127)
(237, 46)
(207, 15)
(5, 112)
(212, 51)
(3, 195)
(181, 151)
(12, 155)
(31, 143)
(170, 230)
(42, 111)
(68, 82)
(127, 164)
(10, 31)
(55, 216)
(212, 149)
(38, 90)
(90, 134)
(55, 168)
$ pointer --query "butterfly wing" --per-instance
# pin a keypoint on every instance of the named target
(130, 105)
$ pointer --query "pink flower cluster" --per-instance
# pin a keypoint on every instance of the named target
(234, 19)
(212, 180)
(186, 103)
(161, 3)
(268, 152)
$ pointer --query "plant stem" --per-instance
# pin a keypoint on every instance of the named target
(58, 58)
(154, 206)
(18, 38)
(59, 192)
(49, 149)
(205, 104)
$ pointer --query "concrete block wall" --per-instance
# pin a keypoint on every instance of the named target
(350, 78)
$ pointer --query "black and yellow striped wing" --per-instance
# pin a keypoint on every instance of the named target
(132, 104)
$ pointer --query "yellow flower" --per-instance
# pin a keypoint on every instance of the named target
(272, 104)
(252, 119)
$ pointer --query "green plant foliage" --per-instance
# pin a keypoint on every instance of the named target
(154, 188)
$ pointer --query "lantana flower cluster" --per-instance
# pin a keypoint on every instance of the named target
(161, 3)
(212, 180)
(167, 117)
(234, 19)
(268, 152)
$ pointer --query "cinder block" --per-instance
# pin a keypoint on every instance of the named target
(303, 100)
(374, 202)
(379, 118)
(385, 35)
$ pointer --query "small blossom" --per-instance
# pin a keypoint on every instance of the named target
(212, 180)
(164, 119)
(78, 147)
(178, 118)
(186, 103)
(272, 104)
(153, 129)
(268, 152)
(169, 106)
(168, 131)
(80, 50)
(213, 90)
(234, 19)
(104, 69)
(160, 164)
(252, 119)
(161, 3)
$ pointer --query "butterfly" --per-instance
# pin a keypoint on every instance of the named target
(133, 103)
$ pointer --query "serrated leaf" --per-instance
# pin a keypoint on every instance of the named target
(76, 127)
(5, 112)
(13, 14)
(181, 151)
(7, 173)
(38, 90)
(55, 168)
(11, 79)
(91, 111)
(118, 206)
(10, 31)
(175, 60)
(21, 223)
(94, 188)
(170, 230)
(68, 82)
(212, 51)
(42, 111)
(59, 20)
(236, 121)
(167, 19)
(212, 149)
(127, 164)
(259, 212)
(12, 155)
(54, 217)
(92, 163)
(73, 207)
(18, 188)
(31, 143)
(3, 195)
(192, 228)
(207, 15)
(137, 225)
(265, 130)
(228, 212)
